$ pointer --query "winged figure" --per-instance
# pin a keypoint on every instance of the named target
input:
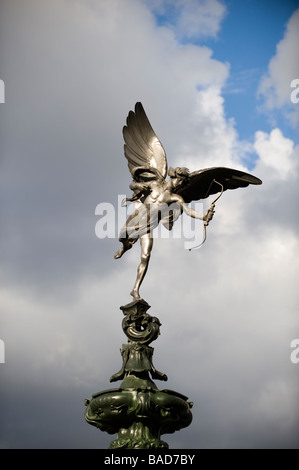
(157, 200)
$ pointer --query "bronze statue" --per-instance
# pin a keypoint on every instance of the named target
(137, 410)
(157, 200)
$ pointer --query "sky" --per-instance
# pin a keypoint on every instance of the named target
(215, 79)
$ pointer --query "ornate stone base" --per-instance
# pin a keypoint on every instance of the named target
(137, 411)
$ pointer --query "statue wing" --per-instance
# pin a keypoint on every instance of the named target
(201, 183)
(142, 147)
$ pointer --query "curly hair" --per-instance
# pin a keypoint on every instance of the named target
(178, 172)
(182, 171)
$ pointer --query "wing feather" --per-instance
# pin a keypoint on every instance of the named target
(201, 183)
(142, 146)
(133, 149)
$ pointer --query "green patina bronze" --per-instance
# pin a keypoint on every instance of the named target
(138, 412)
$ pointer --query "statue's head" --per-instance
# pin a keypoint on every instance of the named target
(180, 175)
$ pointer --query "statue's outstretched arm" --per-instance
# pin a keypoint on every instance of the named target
(190, 211)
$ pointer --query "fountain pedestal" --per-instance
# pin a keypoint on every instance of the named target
(138, 412)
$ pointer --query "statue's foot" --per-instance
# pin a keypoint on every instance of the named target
(119, 253)
(126, 246)
(135, 294)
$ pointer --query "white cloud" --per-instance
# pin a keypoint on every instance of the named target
(283, 68)
(200, 18)
(191, 19)
(276, 152)
(211, 139)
